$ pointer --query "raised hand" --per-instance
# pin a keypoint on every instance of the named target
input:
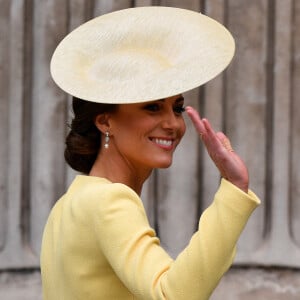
(219, 148)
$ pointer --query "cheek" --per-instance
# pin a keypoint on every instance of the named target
(137, 126)
(132, 128)
(141, 125)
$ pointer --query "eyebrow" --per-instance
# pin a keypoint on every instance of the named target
(179, 99)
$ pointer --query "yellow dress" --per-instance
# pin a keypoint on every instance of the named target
(98, 244)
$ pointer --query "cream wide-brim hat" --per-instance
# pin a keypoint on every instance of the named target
(141, 54)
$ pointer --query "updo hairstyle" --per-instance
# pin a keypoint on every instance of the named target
(84, 139)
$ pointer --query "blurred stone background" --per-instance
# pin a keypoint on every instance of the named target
(256, 102)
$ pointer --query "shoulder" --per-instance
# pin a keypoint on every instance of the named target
(99, 194)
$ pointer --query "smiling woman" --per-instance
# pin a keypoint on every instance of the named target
(143, 136)
(97, 242)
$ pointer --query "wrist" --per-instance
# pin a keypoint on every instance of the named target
(242, 185)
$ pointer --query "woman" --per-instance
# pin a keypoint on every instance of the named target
(97, 243)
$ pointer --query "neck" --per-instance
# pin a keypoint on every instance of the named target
(117, 169)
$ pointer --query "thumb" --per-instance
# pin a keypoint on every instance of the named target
(225, 141)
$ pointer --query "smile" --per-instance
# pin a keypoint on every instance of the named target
(163, 142)
(166, 143)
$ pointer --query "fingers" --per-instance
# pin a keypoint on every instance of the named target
(206, 132)
(203, 128)
(196, 119)
(218, 146)
(225, 141)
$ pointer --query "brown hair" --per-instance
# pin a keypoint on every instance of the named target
(84, 139)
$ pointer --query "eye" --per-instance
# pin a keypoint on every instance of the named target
(179, 109)
(153, 107)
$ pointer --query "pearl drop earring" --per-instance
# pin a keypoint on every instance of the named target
(106, 145)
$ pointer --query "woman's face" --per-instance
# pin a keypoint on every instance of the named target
(146, 134)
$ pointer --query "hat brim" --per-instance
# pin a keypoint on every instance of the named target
(141, 54)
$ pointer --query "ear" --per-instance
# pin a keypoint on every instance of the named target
(102, 122)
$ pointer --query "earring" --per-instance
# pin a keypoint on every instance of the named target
(106, 145)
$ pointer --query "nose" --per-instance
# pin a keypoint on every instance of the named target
(171, 121)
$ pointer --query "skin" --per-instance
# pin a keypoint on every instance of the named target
(144, 136)
(218, 146)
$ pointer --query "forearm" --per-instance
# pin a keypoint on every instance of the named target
(198, 269)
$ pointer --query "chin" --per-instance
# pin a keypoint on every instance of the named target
(164, 164)
(160, 161)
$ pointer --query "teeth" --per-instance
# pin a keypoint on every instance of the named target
(163, 142)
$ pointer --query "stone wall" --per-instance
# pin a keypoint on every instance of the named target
(238, 284)
(256, 102)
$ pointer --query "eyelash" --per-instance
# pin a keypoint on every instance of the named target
(155, 107)
(179, 109)
(152, 107)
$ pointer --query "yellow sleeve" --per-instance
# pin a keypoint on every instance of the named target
(131, 247)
